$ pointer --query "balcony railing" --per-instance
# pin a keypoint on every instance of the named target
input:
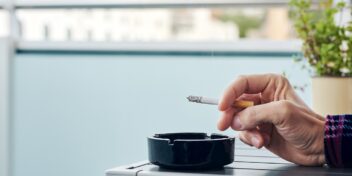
(265, 47)
(30, 4)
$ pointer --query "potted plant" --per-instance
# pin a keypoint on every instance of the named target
(327, 47)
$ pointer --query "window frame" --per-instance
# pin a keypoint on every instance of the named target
(5, 106)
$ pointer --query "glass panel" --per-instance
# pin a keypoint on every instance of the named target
(4, 23)
(78, 115)
(191, 24)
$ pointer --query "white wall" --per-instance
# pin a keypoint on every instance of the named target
(4, 106)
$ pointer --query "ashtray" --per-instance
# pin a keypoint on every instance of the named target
(191, 150)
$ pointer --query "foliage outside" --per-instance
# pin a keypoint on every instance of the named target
(327, 45)
(244, 22)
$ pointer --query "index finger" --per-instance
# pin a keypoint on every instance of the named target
(250, 84)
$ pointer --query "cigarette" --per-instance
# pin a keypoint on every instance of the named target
(213, 101)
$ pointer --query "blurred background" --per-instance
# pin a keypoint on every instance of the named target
(83, 83)
(116, 21)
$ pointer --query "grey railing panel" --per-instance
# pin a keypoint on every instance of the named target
(145, 4)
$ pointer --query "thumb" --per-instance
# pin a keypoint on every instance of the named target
(274, 112)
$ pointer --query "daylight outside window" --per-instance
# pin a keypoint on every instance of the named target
(180, 24)
(4, 26)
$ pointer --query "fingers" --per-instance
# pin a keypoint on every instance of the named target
(274, 113)
(254, 138)
(251, 84)
(226, 119)
(227, 115)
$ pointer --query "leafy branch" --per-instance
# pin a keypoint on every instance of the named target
(326, 45)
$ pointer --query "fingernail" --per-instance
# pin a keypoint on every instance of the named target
(237, 123)
(255, 142)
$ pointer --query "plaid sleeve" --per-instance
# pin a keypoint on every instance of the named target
(338, 141)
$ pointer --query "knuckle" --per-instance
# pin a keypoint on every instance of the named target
(241, 77)
(285, 108)
(282, 78)
(278, 77)
(248, 116)
(252, 112)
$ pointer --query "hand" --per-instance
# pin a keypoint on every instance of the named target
(280, 121)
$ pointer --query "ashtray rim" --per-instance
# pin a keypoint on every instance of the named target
(208, 139)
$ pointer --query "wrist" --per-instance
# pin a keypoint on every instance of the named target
(322, 160)
(320, 144)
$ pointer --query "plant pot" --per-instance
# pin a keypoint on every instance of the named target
(332, 95)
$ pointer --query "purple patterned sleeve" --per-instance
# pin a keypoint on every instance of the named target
(338, 141)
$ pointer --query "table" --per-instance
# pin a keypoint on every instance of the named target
(248, 162)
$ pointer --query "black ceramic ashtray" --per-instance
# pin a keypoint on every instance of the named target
(191, 150)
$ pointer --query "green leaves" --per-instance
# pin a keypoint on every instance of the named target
(326, 45)
(244, 22)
